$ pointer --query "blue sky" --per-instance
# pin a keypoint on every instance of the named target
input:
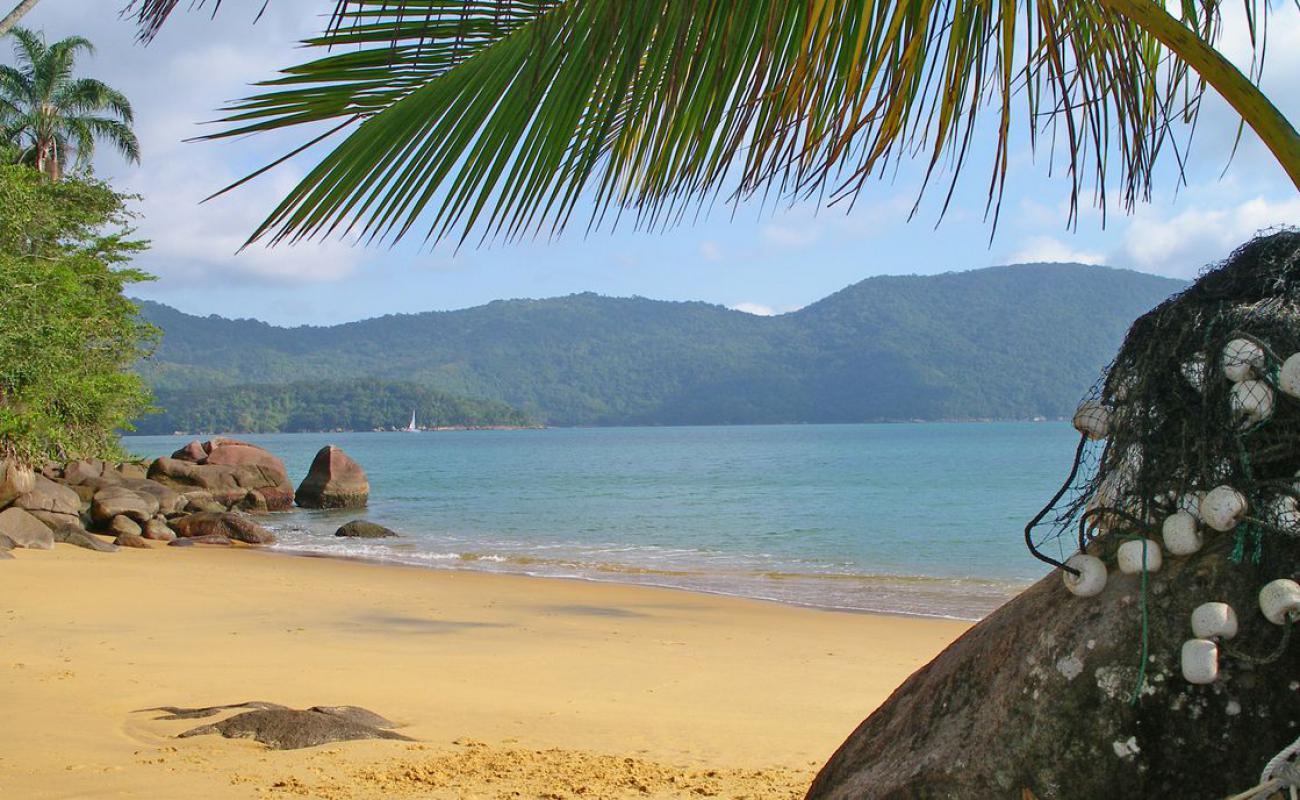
(762, 260)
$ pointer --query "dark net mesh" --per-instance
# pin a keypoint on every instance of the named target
(1201, 395)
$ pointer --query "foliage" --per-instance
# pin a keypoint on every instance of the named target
(1009, 342)
(50, 116)
(321, 406)
(504, 114)
(67, 335)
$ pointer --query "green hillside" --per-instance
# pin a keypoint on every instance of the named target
(1005, 342)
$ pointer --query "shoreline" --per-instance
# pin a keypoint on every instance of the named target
(1014, 588)
(505, 683)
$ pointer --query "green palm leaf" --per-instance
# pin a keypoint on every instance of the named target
(500, 117)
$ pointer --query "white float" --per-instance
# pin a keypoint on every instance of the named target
(1288, 378)
(1251, 402)
(1131, 560)
(1214, 621)
(1181, 533)
(1092, 419)
(1242, 360)
(1200, 661)
(1091, 578)
(1223, 507)
(1279, 600)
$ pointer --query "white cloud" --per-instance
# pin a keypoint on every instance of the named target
(710, 251)
(757, 309)
(761, 310)
(1181, 244)
(1049, 249)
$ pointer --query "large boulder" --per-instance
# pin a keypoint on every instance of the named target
(233, 526)
(75, 472)
(228, 471)
(46, 495)
(15, 481)
(169, 500)
(1037, 697)
(334, 481)
(24, 530)
(361, 529)
(120, 501)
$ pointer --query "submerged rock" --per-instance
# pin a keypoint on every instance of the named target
(289, 729)
(334, 481)
(361, 529)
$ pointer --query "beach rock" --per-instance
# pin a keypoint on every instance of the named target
(123, 524)
(116, 501)
(223, 524)
(201, 500)
(211, 538)
(158, 530)
(169, 500)
(79, 471)
(290, 729)
(361, 529)
(131, 540)
(132, 470)
(175, 713)
(6, 543)
(52, 470)
(276, 487)
(181, 543)
(54, 521)
(192, 452)
(225, 484)
(334, 481)
(15, 481)
(1036, 698)
(357, 714)
(253, 503)
(25, 530)
(46, 495)
(85, 494)
(75, 535)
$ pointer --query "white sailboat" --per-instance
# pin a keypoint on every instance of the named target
(411, 428)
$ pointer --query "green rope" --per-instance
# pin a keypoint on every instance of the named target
(1142, 607)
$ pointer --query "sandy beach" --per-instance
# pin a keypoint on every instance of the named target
(510, 686)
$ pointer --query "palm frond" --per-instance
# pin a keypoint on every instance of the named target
(501, 116)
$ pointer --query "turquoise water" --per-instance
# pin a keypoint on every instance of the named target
(914, 519)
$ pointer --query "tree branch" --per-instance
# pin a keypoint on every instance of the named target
(11, 19)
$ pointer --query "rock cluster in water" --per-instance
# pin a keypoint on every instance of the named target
(201, 494)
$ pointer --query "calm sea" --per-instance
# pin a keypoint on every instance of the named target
(913, 519)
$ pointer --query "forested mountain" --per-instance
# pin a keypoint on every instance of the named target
(1004, 342)
(357, 405)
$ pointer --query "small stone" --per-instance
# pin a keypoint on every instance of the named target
(181, 543)
(158, 531)
(131, 540)
(124, 525)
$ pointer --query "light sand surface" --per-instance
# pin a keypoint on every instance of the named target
(513, 686)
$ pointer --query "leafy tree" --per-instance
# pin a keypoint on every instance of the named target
(53, 117)
(68, 337)
(502, 114)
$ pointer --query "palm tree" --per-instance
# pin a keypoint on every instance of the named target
(502, 114)
(52, 117)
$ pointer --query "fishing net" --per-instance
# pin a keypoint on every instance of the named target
(1204, 393)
